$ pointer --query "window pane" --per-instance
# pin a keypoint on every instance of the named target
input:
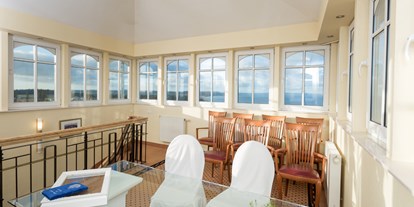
(205, 63)
(245, 87)
(46, 54)
(315, 57)
(124, 86)
(148, 80)
(183, 65)
(153, 86)
(219, 63)
(23, 51)
(293, 86)
(378, 78)
(182, 86)
(379, 14)
(294, 59)
(77, 84)
(314, 86)
(113, 85)
(262, 61)
(172, 65)
(23, 81)
(205, 86)
(171, 86)
(143, 68)
(78, 60)
(45, 82)
(91, 85)
(219, 85)
(113, 65)
(91, 61)
(153, 67)
(143, 86)
(124, 66)
(246, 61)
(261, 87)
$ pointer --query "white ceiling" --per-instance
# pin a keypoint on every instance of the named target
(141, 21)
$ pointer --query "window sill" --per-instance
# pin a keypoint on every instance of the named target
(402, 171)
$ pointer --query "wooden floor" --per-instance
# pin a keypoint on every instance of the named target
(156, 153)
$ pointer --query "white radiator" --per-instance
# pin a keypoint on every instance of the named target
(333, 175)
(170, 127)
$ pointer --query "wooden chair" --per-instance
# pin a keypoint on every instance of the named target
(300, 156)
(276, 130)
(317, 121)
(222, 152)
(257, 130)
(208, 140)
(239, 128)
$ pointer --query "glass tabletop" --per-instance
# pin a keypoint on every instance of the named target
(152, 180)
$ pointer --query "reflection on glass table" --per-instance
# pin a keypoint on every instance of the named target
(141, 194)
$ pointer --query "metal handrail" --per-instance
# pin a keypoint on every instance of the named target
(71, 149)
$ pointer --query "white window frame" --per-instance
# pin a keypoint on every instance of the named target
(119, 100)
(35, 104)
(351, 70)
(212, 104)
(148, 101)
(302, 108)
(253, 106)
(99, 92)
(378, 132)
(165, 82)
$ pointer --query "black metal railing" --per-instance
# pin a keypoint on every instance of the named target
(33, 162)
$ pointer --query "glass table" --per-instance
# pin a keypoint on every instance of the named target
(141, 194)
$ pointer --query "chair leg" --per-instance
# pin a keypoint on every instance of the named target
(212, 170)
(229, 172)
(318, 193)
(286, 188)
(221, 172)
(279, 186)
(310, 194)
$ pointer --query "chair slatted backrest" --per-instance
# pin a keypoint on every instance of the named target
(211, 116)
(239, 126)
(300, 143)
(223, 133)
(257, 130)
(317, 121)
(277, 127)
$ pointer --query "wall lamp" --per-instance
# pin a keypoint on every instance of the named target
(39, 125)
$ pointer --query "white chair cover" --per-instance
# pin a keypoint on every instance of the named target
(253, 169)
(185, 157)
(184, 166)
(252, 177)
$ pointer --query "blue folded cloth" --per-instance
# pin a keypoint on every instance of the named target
(64, 190)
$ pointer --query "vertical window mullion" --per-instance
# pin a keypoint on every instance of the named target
(303, 76)
(35, 78)
(149, 80)
(384, 110)
(253, 77)
(146, 80)
(176, 81)
(212, 80)
(84, 78)
(119, 74)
